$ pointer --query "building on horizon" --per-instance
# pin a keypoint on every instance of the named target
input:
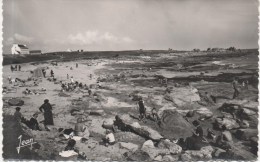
(35, 52)
(19, 49)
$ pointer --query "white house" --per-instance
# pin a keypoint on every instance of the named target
(19, 49)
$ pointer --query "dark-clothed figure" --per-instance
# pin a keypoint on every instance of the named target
(34, 125)
(235, 87)
(155, 115)
(19, 67)
(77, 65)
(44, 72)
(15, 67)
(142, 109)
(17, 114)
(12, 68)
(71, 146)
(52, 73)
(198, 131)
(48, 118)
(89, 92)
(246, 84)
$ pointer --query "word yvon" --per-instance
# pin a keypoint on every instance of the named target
(24, 143)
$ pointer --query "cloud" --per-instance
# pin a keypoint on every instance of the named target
(18, 38)
(9, 41)
(23, 38)
(95, 37)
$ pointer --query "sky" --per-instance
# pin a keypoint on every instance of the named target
(97, 25)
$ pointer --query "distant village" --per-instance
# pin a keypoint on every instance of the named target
(21, 49)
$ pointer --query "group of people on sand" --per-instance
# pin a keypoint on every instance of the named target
(143, 114)
(72, 85)
(45, 108)
(236, 87)
(16, 68)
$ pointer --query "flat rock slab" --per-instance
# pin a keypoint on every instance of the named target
(182, 95)
(194, 155)
(246, 134)
(15, 102)
(129, 146)
(125, 121)
(97, 112)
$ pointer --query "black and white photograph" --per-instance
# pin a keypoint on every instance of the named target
(130, 80)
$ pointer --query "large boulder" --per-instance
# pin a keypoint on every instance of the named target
(203, 113)
(218, 153)
(251, 105)
(174, 126)
(227, 122)
(195, 143)
(154, 152)
(172, 147)
(139, 155)
(129, 146)
(160, 111)
(246, 134)
(125, 122)
(182, 95)
(241, 103)
(204, 154)
(97, 112)
(15, 102)
(237, 152)
(147, 132)
(170, 158)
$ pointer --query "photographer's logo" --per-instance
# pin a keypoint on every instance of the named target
(24, 143)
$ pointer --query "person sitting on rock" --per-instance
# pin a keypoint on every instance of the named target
(224, 140)
(153, 115)
(109, 139)
(34, 125)
(211, 135)
(81, 130)
(198, 131)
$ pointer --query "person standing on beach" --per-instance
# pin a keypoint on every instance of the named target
(142, 109)
(44, 73)
(12, 68)
(235, 87)
(19, 67)
(18, 115)
(52, 73)
(48, 117)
